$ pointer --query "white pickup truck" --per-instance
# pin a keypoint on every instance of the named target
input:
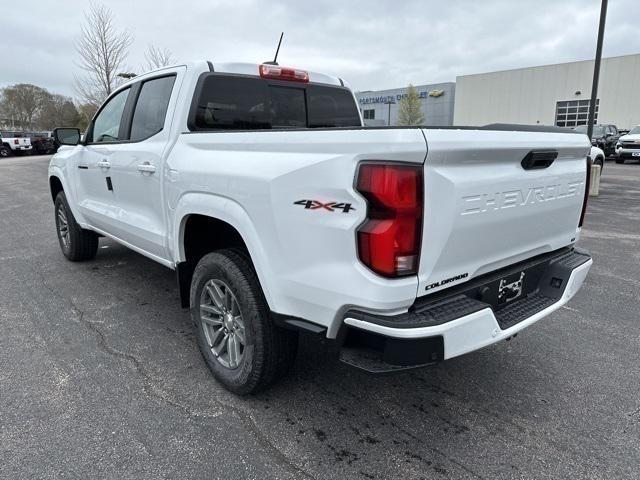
(14, 142)
(280, 213)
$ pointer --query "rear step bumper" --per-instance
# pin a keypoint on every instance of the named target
(466, 320)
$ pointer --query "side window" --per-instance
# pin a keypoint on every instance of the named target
(151, 107)
(106, 126)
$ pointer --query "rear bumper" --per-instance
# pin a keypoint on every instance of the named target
(461, 323)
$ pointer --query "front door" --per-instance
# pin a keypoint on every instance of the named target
(95, 196)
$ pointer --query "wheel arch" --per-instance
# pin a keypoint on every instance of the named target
(215, 223)
(55, 186)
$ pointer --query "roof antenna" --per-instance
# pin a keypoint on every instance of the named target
(275, 58)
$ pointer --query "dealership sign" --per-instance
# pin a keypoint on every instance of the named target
(398, 97)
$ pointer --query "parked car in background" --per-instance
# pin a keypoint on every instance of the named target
(42, 143)
(604, 137)
(14, 143)
(628, 146)
(597, 157)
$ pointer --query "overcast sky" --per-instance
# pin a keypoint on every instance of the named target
(373, 44)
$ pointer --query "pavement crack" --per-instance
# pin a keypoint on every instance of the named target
(149, 388)
(161, 396)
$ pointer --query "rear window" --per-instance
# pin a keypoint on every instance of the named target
(227, 102)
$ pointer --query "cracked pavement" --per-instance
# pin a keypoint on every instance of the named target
(100, 375)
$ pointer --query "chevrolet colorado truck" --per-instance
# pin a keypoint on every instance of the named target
(282, 214)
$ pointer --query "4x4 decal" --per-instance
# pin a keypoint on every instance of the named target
(330, 206)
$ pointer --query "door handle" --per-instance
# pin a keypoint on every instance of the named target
(104, 164)
(146, 167)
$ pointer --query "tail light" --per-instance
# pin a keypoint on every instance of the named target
(16, 141)
(586, 190)
(284, 73)
(389, 240)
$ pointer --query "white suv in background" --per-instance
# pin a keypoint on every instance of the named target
(628, 146)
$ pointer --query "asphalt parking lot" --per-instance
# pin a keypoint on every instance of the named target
(100, 375)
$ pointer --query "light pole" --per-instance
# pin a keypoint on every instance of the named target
(390, 101)
(596, 69)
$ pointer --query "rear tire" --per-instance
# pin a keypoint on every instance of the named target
(76, 243)
(4, 151)
(230, 314)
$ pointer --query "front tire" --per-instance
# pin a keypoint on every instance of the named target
(76, 243)
(5, 152)
(619, 160)
(242, 347)
(600, 161)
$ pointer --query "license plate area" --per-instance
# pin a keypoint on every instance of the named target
(510, 288)
(635, 154)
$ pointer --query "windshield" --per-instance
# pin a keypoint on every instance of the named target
(635, 131)
(598, 130)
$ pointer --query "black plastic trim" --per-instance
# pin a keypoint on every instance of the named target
(376, 353)
(538, 159)
(184, 272)
(296, 323)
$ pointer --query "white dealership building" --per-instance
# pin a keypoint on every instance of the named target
(552, 94)
(546, 95)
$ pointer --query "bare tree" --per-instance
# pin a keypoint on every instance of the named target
(102, 50)
(158, 57)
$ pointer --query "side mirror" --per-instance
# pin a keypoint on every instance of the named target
(67, 136)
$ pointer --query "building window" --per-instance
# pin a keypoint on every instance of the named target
(369, 114)
(571, 113)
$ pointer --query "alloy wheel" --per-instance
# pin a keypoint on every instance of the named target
(222, 323)
(63, 226)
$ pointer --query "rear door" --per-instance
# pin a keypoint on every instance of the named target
(485, 211)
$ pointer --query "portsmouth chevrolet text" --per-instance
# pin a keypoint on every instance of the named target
(281, 214)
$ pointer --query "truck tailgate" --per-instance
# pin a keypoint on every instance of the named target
(484, 211)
